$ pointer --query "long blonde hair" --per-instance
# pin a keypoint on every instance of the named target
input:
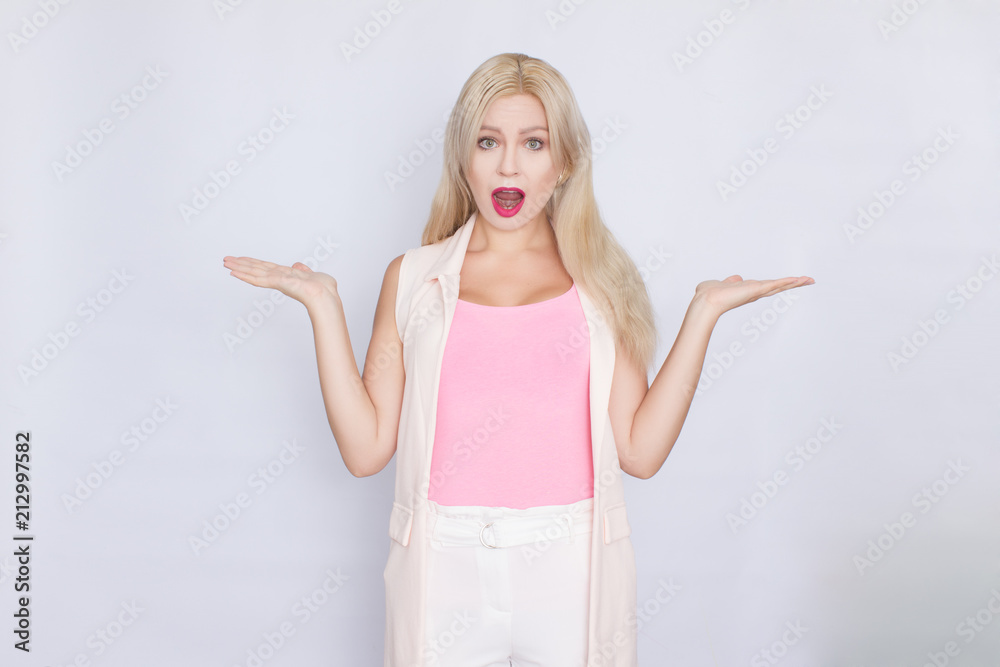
(587, 248)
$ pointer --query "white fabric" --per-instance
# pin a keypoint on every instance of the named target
(523, 603)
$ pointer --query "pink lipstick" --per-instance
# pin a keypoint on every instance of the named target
(508, 201)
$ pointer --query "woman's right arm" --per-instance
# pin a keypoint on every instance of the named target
(363, 414)
(363, 411)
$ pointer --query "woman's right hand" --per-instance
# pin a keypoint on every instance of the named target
(297, 281)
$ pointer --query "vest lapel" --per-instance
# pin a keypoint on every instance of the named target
(446, 272)
(602, 364)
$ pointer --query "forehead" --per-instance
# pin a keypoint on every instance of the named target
(519, 108)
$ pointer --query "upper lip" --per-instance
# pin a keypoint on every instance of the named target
(517, 190)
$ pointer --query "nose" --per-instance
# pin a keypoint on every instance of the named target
(508, 162)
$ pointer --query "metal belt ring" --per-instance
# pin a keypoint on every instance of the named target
(491, 546)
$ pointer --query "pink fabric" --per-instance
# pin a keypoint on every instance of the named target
(513, 413)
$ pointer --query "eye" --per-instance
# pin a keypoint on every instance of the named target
(484, 140)
(538, 143)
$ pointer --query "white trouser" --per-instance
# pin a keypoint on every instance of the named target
(508, 586)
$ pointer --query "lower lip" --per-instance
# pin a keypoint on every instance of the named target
(506, 212)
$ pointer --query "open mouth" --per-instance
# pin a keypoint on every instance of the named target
(508, 201)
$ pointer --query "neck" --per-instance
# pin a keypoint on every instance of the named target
(535, 235)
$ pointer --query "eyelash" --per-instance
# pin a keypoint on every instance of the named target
(482, 139)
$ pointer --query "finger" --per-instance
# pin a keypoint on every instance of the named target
(800, 280)
(254, 266)
(251, 262)
(775, 286)
(762, 288)
(238, 262)
(245, 271)
(256, 273)
(246, 277)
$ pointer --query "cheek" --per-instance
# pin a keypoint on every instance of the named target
(477, 187)
(476, 179)
(475, 170)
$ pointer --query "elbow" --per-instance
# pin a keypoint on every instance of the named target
(643, 467)
(353, 467)
(635, 468)
(364, 470)
(372, 466)
(649, 472)
(640, 473)
(358, 472)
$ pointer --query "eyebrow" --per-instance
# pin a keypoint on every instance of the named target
(524, 131)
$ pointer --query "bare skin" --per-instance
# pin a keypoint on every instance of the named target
(510, 261)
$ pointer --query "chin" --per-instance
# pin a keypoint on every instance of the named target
(500, 222)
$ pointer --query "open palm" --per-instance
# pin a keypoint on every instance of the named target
(297, 281)
(723, 295)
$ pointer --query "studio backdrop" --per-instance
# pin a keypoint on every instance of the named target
(172, 493)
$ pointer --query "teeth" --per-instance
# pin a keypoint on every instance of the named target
(507, 204)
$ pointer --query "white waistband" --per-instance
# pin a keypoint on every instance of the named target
(492, 527)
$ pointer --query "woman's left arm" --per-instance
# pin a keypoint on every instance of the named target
(646, 419)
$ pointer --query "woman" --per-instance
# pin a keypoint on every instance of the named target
(508, 368)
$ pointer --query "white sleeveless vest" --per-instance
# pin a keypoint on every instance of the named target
(425, 304)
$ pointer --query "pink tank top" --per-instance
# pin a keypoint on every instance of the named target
(513, 414)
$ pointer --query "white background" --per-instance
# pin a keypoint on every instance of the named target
(669, 132)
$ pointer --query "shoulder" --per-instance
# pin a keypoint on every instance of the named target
(392, 271)
(390, 281)
(418, 261)
(406, 273)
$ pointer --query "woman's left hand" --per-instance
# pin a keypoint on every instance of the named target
(723, 295)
